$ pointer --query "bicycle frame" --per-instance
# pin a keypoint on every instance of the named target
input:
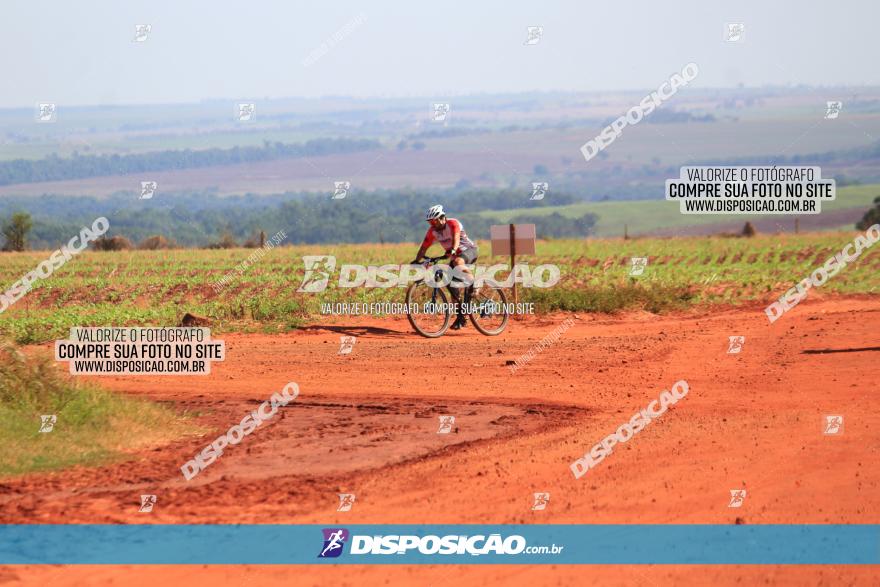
(438, 277)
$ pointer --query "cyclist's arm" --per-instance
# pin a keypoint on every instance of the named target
(426, 243)
(421, 253)
(456, 236)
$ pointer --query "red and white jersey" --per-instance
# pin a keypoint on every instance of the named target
(446, 235)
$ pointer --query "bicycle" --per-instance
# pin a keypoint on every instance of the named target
(486, 307)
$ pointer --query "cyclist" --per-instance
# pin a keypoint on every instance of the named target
(450, 233)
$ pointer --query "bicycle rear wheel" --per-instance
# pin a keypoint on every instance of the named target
(489, 311)
(429, 313)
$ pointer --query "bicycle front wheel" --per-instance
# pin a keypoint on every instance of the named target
(429, 312)
(489, 310)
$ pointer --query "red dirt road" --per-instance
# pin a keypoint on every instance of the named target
(366, 423)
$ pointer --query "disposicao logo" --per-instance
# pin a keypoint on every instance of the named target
(334, 540)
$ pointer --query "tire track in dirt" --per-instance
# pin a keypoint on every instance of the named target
(299, 455)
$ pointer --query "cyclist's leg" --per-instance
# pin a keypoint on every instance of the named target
(470, 258)
(461, 261)
(467, 257)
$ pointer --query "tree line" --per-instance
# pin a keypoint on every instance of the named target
(204, 219)
(55, 168)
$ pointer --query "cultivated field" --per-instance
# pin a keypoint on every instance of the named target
(158, 287)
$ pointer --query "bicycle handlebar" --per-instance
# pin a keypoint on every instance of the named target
(429, 260)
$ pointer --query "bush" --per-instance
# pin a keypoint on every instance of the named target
(156, 242)
(749, 230)
(227, 241)
(871, 217)
(256, 241)
(114, 243)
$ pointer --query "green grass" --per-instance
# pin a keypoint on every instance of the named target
(643, 216)
(93, 426)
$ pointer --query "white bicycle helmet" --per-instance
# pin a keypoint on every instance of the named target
(435, 212)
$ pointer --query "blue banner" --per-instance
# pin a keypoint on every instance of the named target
(440, 544)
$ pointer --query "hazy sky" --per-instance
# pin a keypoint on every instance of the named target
(77, 53)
